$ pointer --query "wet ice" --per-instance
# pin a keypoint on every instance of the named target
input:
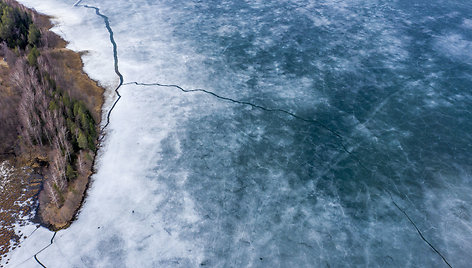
(188, 179)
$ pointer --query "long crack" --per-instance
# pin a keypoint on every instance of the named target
(340, 138)
(313, 121)
(115, 61)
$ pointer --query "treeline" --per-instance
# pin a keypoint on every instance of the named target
(49, 119)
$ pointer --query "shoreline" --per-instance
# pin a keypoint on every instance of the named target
(98, 111)
(71, 67)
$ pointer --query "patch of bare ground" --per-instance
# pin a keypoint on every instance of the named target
(19, 188)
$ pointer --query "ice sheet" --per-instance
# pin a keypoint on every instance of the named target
(312, 120)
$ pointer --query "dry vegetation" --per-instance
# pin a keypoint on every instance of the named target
(19, 190)
(49, 114)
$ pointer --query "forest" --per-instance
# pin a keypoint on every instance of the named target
(44, 113)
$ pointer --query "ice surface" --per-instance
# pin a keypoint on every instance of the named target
(252, 171)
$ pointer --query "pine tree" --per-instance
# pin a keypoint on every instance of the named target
(82, 140)
(33, 56)
(33, 35)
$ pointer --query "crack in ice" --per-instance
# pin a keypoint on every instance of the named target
(276, 110)
(115, 59)
(35, 255)
(50, 243)
(418, 230)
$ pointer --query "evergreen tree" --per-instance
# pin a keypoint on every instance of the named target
(70, 172)
(82, 140)
(33, 56)
(33, 35)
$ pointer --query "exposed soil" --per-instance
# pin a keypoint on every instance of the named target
(19, 189)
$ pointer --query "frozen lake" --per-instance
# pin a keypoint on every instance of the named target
(298, 133)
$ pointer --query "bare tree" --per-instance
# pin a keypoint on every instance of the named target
(52, 193)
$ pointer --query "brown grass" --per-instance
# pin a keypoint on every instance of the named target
(72, 70)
